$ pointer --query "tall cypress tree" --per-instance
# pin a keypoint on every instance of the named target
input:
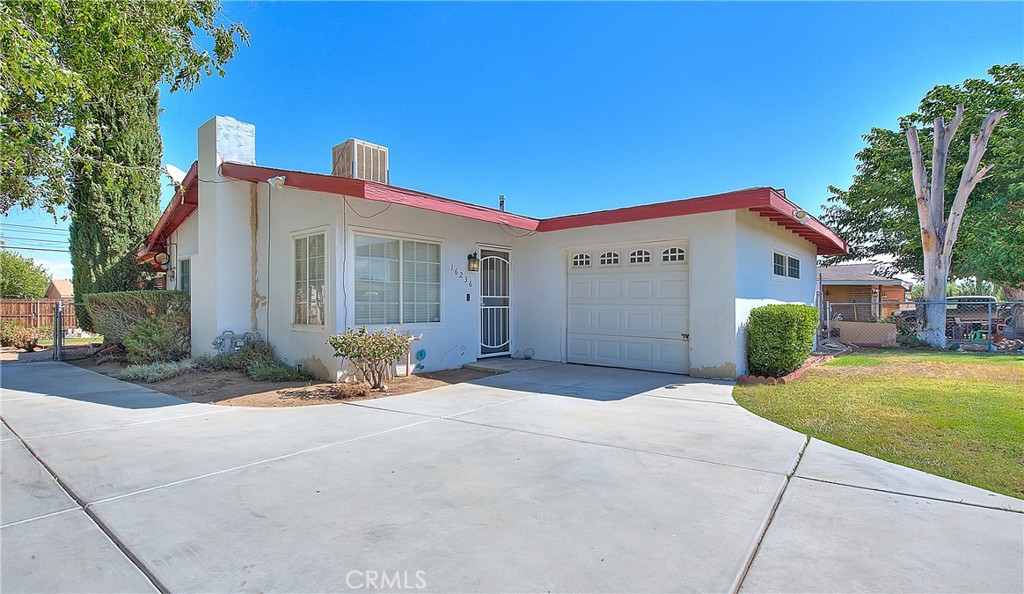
(115, 193)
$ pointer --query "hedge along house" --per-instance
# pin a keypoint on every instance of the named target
(299, 256)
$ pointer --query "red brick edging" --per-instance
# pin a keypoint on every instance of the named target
(771, 381)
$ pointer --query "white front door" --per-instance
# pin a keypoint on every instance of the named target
(495, 303)
(629, 306)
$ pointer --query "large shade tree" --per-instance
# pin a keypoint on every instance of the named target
(878, 213)
(62, 57)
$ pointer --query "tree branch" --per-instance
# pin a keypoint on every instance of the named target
(943, 135)
(970, 178)
(921, 192)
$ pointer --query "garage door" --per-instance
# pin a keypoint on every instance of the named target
(629, 307)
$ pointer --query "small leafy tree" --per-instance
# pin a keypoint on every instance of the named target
(21, 276)
(372, 353)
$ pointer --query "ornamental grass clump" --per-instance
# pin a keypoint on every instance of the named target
(371, 353)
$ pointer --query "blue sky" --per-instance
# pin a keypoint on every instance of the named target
(576, 107)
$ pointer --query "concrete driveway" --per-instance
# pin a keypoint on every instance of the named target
(559, 478)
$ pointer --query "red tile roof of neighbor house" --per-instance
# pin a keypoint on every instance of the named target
(768, 202)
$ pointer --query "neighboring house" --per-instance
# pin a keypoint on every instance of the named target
(59, 288)
(298, 256)
(847, 286)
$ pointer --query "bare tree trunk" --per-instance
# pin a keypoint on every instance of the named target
(938, 234)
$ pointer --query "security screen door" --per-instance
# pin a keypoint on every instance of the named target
(495, 303)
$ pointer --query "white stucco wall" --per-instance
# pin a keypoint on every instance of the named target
(448, 344)
(757, 239)
(244, 279)
(184, 244)
(540, 273)
(222, 277)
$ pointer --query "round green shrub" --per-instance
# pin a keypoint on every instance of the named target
(166, 337)
(780, 338)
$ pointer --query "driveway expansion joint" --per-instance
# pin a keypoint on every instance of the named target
(615, 447)
(752, 554)
(256, 463)
(915, 495)
(82, 505)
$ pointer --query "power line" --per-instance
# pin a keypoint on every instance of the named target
(36, 239)
(59, 230)
(36, 249)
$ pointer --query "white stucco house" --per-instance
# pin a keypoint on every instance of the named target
(298, 256)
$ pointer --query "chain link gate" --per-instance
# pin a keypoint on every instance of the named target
(61, 315)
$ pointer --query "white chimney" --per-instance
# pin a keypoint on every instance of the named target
(359, 159)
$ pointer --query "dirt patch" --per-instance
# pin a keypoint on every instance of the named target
(233, 388)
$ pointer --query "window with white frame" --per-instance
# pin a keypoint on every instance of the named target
(310, 286)
(609, 258)
(580, 260)
(673, 254)
(785, 265)
(397, 281)
(185, 275)
(640, 257)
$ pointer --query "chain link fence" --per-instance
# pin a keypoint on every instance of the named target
(972, 323)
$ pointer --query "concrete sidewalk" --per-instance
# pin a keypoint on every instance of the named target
(553, 478)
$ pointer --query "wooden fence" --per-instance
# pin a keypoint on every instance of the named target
(37, 313)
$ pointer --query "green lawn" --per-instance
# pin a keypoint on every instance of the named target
(71, 341)
(957, 415)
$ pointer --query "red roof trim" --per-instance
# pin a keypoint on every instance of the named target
(184, 202)
(767, 202)
(367, 190)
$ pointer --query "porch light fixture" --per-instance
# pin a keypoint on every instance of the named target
(277, 181)
(801, 215)
(472, 262)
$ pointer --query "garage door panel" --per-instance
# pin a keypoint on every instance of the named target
(609, 289)
(614, 351)
(580, 289)
(609, 321)
(581, 319)
(678, 289)
(674, 324)
(630, 315)
(641, 322)
(581, 348)
(640, 289)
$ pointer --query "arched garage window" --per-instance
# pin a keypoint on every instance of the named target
(580, 260)
(673, 254)
(640, 257)
(609, 258)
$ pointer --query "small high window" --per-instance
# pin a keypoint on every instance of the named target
(794, 268)
(787, 266)
(609, 258)
(640, 257)
(580, 260)
(185, 275)
(673, 254)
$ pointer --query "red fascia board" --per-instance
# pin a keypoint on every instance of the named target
(728, 201)
(182, 205)
(768, 202)
(367, 190)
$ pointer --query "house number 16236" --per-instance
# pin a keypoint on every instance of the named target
(465, 277)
